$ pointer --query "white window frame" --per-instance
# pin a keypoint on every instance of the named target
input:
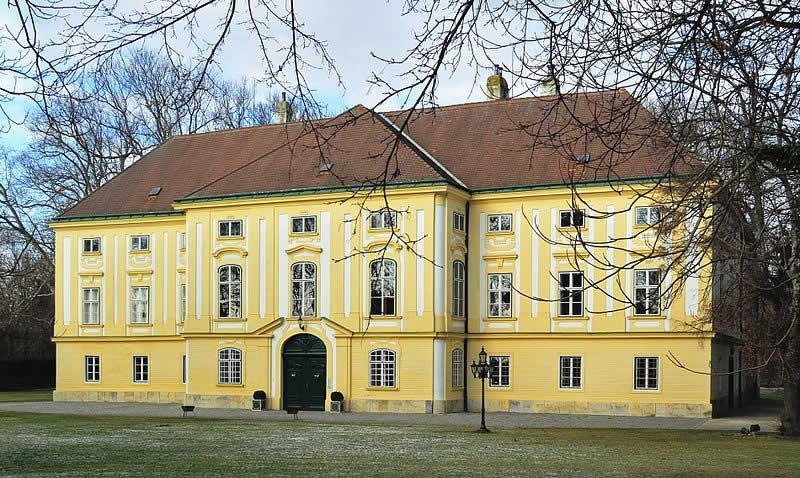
(91, 369)
(385, 276)
(652, 213)
(575, 294)
(229, 366)
(183, 303)
(651, 291)
(225, 228)
(140, 242)
(95, 302)
(570, 215)
(304, 229)
(93, 243)
(141, 369)
(570, 369)
(379, 219)
(459, 221)
(457, 368)
(499, 225)
(229, 285)
(459, 288)
(648, 368)
(382, 368)
(493, 376)
(304, 283)
(146, 300)
(499, 291)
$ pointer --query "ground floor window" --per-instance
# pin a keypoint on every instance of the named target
(230, 366)
(141, 368)
(183, 370)
(500, 371)
(382, 368)
(458, 368)
(92, 368)
(645, 374)
(570, 372)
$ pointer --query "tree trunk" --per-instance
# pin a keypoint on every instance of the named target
(790, 421)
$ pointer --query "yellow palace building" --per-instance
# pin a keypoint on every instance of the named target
(270, 258)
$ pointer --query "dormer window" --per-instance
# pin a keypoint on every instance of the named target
(140, 243)
(230, 228)
(385, 219)
(459, 222)
(304, 224)
(571, 218)
(499, 223)
(91, 245)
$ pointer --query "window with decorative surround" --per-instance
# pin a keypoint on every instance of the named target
(499, 291)
(459, 275)
(459, 222)
(457, 362)
(500, 371)
(91, 306)
(140, 305)
(570, 373)
(647, 292)
(230, 228)
(385, 219)
(383, 287)
(304, 224)
(230, 366)
(140, 243)
(570, 294)
(304, 289)
(382, 368)
(645, 373)
(571, 218)
(230, 292)
(141, 368)
(92, 368)
(183, 303)
(91, 245)
(183, 241)
(647, 215)
(499, 223)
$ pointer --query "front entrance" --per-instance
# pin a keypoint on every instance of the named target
(304, 374)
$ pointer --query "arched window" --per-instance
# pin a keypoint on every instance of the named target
(459, 273)
(458, 368)
(230, 366)
(383, 287)
(230, 291)
(381, 368)
(304, 289)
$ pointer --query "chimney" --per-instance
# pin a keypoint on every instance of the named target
(283, 110)
(549, 86)
(496, 85)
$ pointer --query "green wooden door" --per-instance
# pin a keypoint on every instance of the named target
(304, 374)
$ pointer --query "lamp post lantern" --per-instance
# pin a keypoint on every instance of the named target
(482, 370)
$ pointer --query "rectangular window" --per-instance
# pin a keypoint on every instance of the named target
(183, 369)
(499, 223)
(383, 219)
(140, 305)
(91, 245)
(645, 374)
(459, 222)
(647, 292)
(570, 294)
(499, 371)
(92, 368)
(183, 302)
(499, 295)
(459, 273)
(570, 373)
(183, 241)
(304, 224)
(91, 306)
(647, 215)
(140, 369)
(457, 377)
(571, 218)
(140, 243)
(382, 368)
(230, 228)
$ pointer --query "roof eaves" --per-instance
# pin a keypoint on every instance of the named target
(104, 217)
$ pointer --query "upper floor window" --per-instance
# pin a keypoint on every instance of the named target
(499, 371)
(459, 273)
(647, 215)
(385, 219)
(140, 243)
(140, 305)
(457, 362)
(183, 241)
(499, 295)
(230, 366)
(499, 223)
(304, 289)
(459, 222)
(183, 302)
(571, 218)
(230, 291)
(382, 368)
(383, 287)
(304, 224)
(570, 293)
(645, 373)
(570, 372)
(647, 291)
(183, 369)
(91, 305)
(141, 368)
(91, 245)
(92, 368)
(230, 228)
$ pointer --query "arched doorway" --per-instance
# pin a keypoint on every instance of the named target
(304, 375)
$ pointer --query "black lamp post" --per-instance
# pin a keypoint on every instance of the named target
(481, 370)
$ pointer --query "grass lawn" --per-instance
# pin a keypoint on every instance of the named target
(75, 445)
(41, 395)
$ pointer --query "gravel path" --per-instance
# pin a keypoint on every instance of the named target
(494, 420)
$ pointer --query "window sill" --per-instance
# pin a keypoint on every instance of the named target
(458, 318)
(92, 254)
(572, 228)
(497, 318)
(382, 389)
(139, 251)
(499, 233)
(648, 317)
(499, 387)
(385, 317)
(570, 389)
(303, 234)
(140, 324)
(230, 238)
(459, 232)
(231, 385)
(646, 391)
(571, 317)
(229, 319)
(141, 383)
(91, 326)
